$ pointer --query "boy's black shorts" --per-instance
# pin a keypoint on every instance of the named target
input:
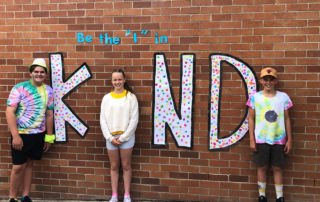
(32, 148)
(270, 154)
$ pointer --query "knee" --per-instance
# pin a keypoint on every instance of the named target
(263, 168)
(114, 166)
(126, 167)
(17, 169)
(276, 169)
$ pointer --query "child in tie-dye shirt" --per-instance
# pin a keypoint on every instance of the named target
(270, 131)
(29, 115)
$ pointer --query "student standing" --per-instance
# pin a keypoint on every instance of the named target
(119, 119)
(29, 115)
(270, 131)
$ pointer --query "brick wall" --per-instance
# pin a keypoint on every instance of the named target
(283, 34)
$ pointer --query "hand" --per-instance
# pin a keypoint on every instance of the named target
(17, 143)
(253, 146)
(116, 141)
(46, 146)
(288, 147)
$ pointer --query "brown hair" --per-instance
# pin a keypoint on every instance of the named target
(126, 85)
(34, 66)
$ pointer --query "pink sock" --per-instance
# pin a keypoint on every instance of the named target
(126, 194)
(115, 194)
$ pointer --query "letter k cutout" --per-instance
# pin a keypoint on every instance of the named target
(63, 114)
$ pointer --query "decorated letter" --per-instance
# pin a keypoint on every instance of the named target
(249, 80)
(165, 114)
(63, 114)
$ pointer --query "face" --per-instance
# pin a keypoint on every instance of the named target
(118, 81)
(268, 83)
(38, 75)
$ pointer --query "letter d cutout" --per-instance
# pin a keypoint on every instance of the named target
(249, 80)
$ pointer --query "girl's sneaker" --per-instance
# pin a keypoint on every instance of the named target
(113, 199)
(127, 199)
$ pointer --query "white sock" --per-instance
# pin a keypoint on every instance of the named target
(262, 188)
(279, 190)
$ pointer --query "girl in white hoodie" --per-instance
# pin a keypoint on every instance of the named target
(119, 119)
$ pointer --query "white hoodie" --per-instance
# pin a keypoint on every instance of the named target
(119, 115)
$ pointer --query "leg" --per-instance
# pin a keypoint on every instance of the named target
(27, 178)
(16, 177)
(262, 173)
(262, 179)
(278, 180)
(277, 175)
(126, 155)
(114, 158)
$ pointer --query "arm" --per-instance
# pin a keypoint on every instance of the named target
(49, 125)
(288, 146)
(253, 145)
(49, 121)
(17, 142)
(134, 118)
(103, 122)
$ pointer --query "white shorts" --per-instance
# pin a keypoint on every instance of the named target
(125, 145)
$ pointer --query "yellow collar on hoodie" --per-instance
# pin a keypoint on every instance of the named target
(118, 96)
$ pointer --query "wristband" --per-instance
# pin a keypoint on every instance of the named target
(49, 138)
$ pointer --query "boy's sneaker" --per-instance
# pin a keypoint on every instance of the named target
(26, 199)
(13, 200)
(262, 199)
(127, 199)
(281, 199)
(113, 199)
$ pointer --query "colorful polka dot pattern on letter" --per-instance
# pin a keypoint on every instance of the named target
(164, 108)
(62, 112)
(247, 75)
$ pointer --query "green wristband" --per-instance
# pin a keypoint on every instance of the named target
(49, 138)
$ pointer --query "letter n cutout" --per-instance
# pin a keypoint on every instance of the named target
(164, 113)
(250, 82)
(63, 113)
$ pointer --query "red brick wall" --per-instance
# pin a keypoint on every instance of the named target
(283, 34)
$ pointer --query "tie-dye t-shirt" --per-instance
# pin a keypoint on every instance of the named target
(269, 117)
(31, 103)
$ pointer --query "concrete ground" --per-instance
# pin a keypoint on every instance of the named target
(38, 200)
(42, 200)
(35, 200)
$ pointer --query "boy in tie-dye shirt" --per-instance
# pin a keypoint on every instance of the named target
(31, 103)
(29, 115)
(270, 131)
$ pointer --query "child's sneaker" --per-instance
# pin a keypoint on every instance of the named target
(262, 199)
(127, 199)
(281, 199)
(13, 200)
(26, 199)
(113, 199)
